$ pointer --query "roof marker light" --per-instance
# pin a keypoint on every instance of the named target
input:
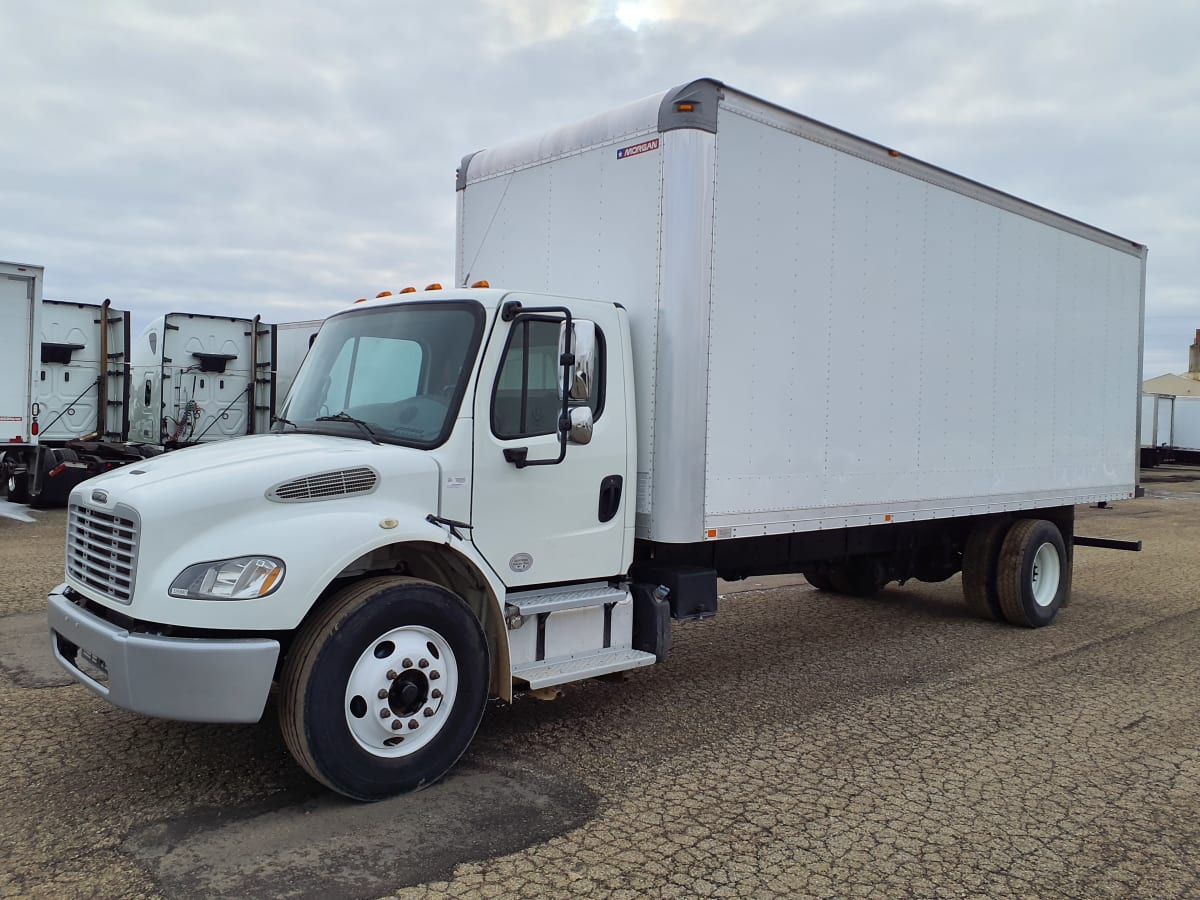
(481, 283)
(361, 300)
(408, 290)
(433, 287)
(383, 294)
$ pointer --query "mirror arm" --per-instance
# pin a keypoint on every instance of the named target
(518, 456)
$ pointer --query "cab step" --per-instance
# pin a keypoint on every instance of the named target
(532, 603)
(560, 671)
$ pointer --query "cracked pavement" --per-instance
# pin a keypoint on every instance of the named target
(800, 744)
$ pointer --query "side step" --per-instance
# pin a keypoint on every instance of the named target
(560, 671)
(534, 602)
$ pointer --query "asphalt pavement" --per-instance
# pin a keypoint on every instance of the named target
(798, 744)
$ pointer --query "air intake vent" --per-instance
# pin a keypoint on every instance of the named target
(325, 486)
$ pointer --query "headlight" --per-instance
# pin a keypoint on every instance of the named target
(244, 578)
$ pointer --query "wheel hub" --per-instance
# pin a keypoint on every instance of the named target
(401, 690)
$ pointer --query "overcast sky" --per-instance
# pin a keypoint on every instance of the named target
(284, 158)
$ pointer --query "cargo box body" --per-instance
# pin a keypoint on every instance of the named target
(826, 333)
(21, 307)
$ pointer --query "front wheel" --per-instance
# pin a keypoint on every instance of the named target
(1033, 574)
(384, 688)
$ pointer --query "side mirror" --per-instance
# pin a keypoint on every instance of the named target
(581, 425)
(583, 346)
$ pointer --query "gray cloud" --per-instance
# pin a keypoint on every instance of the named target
(284, 158)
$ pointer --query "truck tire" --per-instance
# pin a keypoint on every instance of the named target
(18, 487)
(384, 687)
(861, 577)
(1033, 573)
(980, 558)
(819, 579)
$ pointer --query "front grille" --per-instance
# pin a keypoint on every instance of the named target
(102, 551)
(326, 486)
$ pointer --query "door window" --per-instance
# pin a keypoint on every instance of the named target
(527, 400)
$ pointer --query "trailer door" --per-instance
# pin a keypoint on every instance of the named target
(19, 308)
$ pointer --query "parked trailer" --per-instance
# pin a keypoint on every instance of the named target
(292, 340)
(21, 308)
(1157, 415)
(818, 356)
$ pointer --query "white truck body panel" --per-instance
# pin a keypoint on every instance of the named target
(186, 361)
(1156, 420)
(292, 340)
(21, 307)
(825, 333)
(66, 385)
(1185, 423)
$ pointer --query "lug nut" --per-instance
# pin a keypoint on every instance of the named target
(383, 693)
(434, 676)
(397, 725)
(435, 694)
(414, 724)
(424, 664)
(384, 713)
(407, 663)
(428, 712)
(392, 675)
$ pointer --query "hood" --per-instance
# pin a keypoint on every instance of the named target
(246, 468)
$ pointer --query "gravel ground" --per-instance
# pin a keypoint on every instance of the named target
(799, 744)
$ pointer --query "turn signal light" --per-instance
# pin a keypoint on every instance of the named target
(433, 287)
(481, 283)
(33, 429)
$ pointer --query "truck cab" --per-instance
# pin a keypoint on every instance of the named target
(439, 510)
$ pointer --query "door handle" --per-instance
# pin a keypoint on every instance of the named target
(610, 497)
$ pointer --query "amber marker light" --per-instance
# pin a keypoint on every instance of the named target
(383, 294)
(481, 283)
(685, 107)
(408, 290)
(893, 153)
(361, 300)
(433, 287)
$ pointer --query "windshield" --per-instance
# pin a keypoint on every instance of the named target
(397, 373)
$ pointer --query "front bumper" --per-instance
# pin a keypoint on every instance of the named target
(190, 679)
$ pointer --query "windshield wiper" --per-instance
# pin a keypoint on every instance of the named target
(344, 416)
(281, 420)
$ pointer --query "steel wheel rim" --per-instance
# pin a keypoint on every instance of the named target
(401, 691)
(1046, 574)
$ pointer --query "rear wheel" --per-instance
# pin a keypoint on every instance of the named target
(980, 557)
(1033, 573)
(819, 579)
(383, 690)
(18, 487)
(861, 577)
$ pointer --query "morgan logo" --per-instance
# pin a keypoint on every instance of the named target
(635, 149)
(99, 496)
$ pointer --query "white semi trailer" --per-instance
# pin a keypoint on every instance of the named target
(802, 352)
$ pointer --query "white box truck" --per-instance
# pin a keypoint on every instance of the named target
(21, 308)
(800, 352)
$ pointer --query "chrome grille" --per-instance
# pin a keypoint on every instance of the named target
(326, 485)
(102, 551)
